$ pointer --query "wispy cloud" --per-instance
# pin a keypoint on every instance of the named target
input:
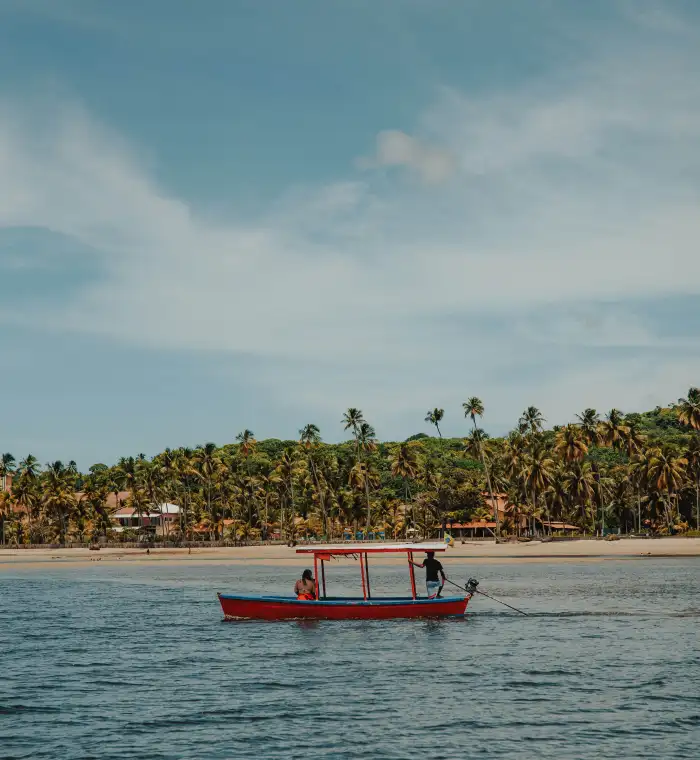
(576, 188)
(395, 148)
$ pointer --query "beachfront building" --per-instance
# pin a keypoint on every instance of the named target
(509, 516)
(556, 526)
(160, 519)
(471, 529)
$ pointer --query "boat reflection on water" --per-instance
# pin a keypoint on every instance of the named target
(307, 624)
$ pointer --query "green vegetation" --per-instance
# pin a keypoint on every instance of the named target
(616, 471)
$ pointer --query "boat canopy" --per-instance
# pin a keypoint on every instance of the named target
(339, 549)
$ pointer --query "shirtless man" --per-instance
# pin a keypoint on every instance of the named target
(305, 587)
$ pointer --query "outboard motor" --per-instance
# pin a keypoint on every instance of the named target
(471, 586)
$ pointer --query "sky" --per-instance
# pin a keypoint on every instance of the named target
(255, 214)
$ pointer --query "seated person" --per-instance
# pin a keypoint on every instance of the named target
(305, 588)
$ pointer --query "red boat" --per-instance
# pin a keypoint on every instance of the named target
(367, 607)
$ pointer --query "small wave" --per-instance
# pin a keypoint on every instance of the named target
(644, 684)
(555, 672)
(687, 721)
(589, 613)
(37, 709)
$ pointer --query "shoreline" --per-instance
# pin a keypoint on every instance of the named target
(281, 555)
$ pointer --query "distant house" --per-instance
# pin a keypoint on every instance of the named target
(557, 526)
(472, 529)
(162, 517)
(485, 528)
(6, 483)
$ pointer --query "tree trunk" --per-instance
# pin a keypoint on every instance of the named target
(488, 483)
(369, 511)
(282, 518)
(667, 514)
(320, 495)
(212, 529)
(639, 509)
(292, 510)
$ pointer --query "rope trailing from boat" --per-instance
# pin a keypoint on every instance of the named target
(471, 588)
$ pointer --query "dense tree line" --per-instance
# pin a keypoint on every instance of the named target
(626, 471)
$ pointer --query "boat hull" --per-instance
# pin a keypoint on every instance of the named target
(289, 608)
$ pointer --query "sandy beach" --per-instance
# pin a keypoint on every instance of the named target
(477, 551)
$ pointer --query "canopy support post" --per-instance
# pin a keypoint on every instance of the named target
(323, 577)
(412, 573)
(362, 573)
(316, 573)
(369, 592)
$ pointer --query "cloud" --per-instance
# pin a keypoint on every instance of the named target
(395, 148)
(579, 188)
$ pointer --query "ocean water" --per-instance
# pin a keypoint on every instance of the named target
(134, 661)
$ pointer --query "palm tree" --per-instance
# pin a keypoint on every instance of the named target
(474, 408)
(404, 465)
(185, 474)
(269, 496)
(558, 492)
(29, 467)
(207, 462)
(361, 478)
(633, 441)
(589, 422)
(570, 444)
(474, 442)
(309, 438)
(247, 444)
(152, 482)
(689, 409)
(638, 475)
(125, 479)
(26, 489)
(352, 419)
(367, 443)
(7, 468)
(613, 430)
(591, 427)
(667, 472)
(580, 485)
(692, 454)
(58, 496)
(689, 415)
(434, 417)
(285, 474)
(6, 511)
(531, 420)
(538, 476)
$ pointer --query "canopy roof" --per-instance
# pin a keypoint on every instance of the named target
(371, 548)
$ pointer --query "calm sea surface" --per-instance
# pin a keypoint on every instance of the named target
(135, 662)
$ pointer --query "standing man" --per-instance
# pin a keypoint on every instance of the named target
(433, 567)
